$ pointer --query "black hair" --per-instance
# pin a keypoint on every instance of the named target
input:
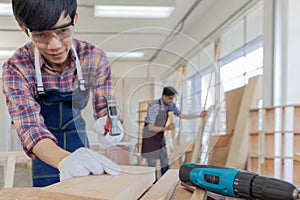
(37, 15)
(169, 91)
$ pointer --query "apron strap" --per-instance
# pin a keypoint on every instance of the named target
(40, 87)
(79, 72)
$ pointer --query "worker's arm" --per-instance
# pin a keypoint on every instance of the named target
(49, 152)
(157, 129)
(81, 162)
(100, 82)
(193, 116)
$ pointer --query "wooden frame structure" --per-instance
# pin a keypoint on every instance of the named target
(9, 160)
(274, 135)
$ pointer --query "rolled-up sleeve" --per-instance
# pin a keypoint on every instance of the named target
(23, 109)
(152, 113)
(101, 82)
(176, 110)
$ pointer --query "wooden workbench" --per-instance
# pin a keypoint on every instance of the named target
(130, 184)
(133, 183)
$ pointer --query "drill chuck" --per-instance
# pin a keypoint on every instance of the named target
(275, 189)
(242, 184)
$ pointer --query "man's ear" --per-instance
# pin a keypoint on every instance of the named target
(75, 18)
(24, 29)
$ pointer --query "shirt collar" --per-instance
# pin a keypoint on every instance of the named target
(161, 102)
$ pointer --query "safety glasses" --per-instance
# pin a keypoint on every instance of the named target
(61, 32)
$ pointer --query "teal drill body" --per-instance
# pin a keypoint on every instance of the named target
(237, 183)
(212, 178)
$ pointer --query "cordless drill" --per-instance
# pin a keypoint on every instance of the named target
(112, 125)
(237, 183)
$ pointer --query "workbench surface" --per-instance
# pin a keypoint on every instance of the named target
(130, 184)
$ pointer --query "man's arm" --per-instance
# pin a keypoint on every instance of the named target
(193, 116)
(101, 82)
(49, 152)
(157, 129)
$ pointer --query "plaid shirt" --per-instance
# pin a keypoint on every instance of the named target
(19, 87)
(155, 107)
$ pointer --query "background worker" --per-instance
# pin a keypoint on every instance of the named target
(47, 83)
(153, 141)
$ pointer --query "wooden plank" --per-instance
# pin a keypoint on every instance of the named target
(175, 155)
(18, 154)
(233, 102)
(10, 171)
(130, 184)
(174, 161)
(199, 136)
(171, 121)
(179, 76)
(164, 187)
(296, 178)
(9, 158)
(181, 192)
(237, 155)
(181, 150)
(199, 194)
(297, 156)
(198, 142)
(36, 194)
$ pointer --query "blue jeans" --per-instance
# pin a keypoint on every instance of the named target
(164, 161)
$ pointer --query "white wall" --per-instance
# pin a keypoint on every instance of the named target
(130, 92)
(292, 64)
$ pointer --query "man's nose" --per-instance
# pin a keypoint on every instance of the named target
(54, 42)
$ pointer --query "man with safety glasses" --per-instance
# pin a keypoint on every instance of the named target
(47, 83)
(153, 140)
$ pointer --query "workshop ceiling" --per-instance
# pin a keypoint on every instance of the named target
(146, 36)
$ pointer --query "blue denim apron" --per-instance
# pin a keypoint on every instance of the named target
(62, 116)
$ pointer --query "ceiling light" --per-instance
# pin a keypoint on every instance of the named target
(125, 54)
(6, 9)
(134, 9)
(6, 53)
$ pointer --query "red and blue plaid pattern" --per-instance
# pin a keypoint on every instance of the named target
(19, 87)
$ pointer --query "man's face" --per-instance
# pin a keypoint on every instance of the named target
(55, 44)
(168, 100)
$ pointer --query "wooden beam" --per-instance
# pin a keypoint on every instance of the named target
(174, 161)
(199, 194)
(37, 194)
(9, 159)
(164, 187)
(130, 184)
(9, 171)
(199, 136)
(18, 154)
(238, 152)
(297, 157)
(181, 192)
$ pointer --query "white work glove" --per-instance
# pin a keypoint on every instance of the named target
(105, 137)
(83, 162)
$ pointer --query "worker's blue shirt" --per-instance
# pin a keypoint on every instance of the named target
(155, 107)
